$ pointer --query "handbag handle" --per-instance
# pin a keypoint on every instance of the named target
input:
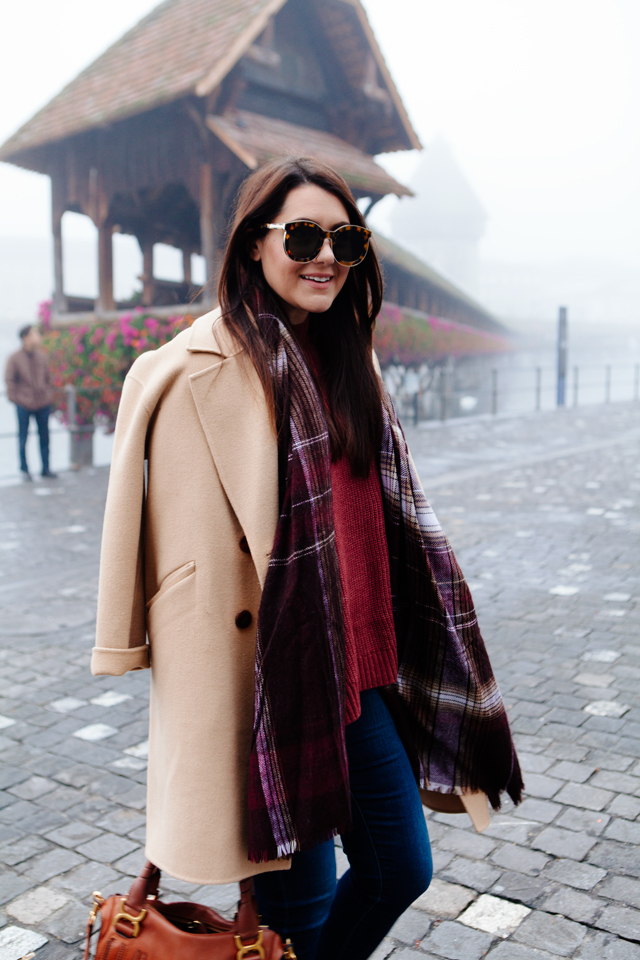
(146, 885)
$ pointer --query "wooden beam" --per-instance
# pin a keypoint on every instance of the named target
(186, 266)
(148, 287)
(58, 203)
(105, 267)
(207, 233)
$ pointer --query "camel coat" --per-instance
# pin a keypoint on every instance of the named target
(185, 551)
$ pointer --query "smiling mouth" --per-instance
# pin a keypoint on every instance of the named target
(318, 279)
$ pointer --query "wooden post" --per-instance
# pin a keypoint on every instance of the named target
(186, 266)
(57, 211)
(147, 273)
(207, 235)
(105, 267)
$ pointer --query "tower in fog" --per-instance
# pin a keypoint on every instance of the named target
(444, 222)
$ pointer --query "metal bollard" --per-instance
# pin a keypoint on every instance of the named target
(494, 391)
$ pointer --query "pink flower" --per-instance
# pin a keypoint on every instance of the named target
(152, 325)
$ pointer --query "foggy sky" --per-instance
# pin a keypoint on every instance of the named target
(539, 102)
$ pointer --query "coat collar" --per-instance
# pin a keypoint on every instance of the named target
(234, 417)
(208, 334)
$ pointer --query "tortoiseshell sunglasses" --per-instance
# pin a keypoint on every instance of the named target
(303, 240)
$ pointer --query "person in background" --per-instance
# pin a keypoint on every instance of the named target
(29, 387)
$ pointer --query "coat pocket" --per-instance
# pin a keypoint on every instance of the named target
(176, 576)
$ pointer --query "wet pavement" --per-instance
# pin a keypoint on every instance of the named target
(543, 514)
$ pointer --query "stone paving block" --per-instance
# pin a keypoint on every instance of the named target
(604, 946)
(573, 905)
(9, 776)
(55, 950)
(583, 821)
(107, 848)
(566, 751)
(514, 829)
(528, 890)
(520, 859)
(624, 831)
(15, 942)
(539, 785)
(580, 875)
(444, 899)
(624, 806)
(403, 954)
(32, 788)
(567, 770)
(558, 935)
(36, 905)
(20, 850)
(544, 811)
(456, 942)
(121, 820)
(50, 864)
(89, 876)
(616, 857)
(478, 875)
(441, 859)
(62, 798)
(609, 761)
(11, 884)
(17, 811)
(131, 864)
(411, 928)
(73, 834)
(494, 915)
(69, 923)
(508, 950)
(223, 898)
(563, 843)
(466, 844)
(622, 889)
(583, 795)
(618, 782)
(534, 763)
(624, 921)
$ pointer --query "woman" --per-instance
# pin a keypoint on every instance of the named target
(316, 663)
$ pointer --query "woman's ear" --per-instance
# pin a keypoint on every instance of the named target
(255, 249)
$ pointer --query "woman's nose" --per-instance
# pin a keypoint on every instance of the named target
(326, 252)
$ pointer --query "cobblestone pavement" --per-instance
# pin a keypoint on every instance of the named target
(541, 511)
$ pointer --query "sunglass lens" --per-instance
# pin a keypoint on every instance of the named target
(303, 241)
(350, 246)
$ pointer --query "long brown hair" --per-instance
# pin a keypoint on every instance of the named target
(342, 336)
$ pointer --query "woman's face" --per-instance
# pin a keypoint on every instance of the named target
(304, 287)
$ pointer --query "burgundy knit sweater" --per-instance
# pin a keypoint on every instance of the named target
(371, 657)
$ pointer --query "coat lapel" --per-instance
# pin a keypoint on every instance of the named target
(234, 417)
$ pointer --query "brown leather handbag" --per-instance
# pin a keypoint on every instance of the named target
(141, 927)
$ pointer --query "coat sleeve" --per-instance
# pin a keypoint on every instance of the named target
(11, 379)
(120, 631)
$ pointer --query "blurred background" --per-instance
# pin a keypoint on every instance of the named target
(525, 194)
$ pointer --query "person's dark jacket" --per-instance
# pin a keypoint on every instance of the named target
(28, 379)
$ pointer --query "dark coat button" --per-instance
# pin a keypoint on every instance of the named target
(244, 546)
(243, 620)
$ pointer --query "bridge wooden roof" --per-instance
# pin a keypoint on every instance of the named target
(187, 47)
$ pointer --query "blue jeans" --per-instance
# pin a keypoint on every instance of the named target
(387, 847)
(42, 421)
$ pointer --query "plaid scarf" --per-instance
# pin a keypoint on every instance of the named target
(298, 774)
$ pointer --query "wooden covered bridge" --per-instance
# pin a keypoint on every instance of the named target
(154, 138)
